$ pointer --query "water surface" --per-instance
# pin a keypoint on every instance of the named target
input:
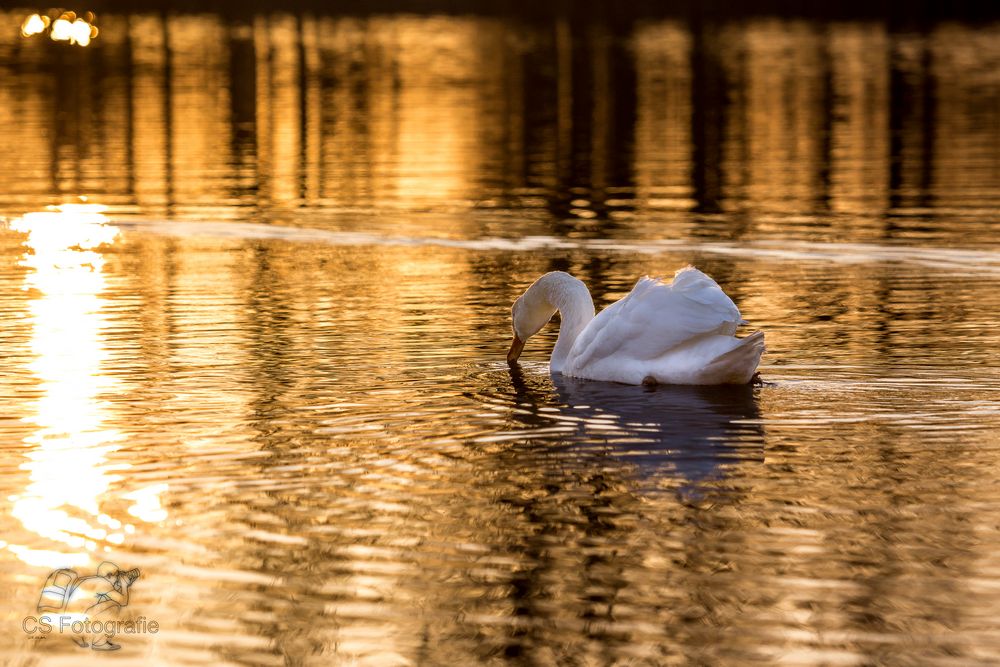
(263, 362)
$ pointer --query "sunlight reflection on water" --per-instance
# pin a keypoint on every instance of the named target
(68, 453)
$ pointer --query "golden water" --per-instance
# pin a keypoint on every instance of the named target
(263, 361)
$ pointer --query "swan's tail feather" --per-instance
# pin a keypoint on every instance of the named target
(738, 365)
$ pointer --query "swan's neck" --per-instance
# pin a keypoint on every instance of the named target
(568, 295)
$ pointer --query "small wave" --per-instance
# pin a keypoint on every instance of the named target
(945, 259)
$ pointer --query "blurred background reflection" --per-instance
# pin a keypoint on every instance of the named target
(833, 129)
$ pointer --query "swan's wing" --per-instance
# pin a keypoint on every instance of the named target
(657, 316)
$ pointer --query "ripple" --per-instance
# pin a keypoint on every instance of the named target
(946, 259)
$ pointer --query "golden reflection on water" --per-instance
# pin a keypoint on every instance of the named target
(68, 455)
(201, 113)
(352, 469)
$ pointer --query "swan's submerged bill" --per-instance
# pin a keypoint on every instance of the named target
(682, 332)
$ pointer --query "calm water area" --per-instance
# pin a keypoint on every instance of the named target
(255, 280)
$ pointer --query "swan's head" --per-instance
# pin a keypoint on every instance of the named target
(528, 315)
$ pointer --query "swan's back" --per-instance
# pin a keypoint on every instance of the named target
(675, 332)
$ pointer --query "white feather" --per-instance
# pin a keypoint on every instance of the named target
(682, 332)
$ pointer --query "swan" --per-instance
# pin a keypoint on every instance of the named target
(682, 332)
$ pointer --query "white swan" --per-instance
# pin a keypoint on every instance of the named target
(683, 332)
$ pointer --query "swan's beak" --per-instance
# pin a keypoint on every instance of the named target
(516, 347)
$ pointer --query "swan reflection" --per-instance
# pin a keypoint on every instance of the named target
(691, 431)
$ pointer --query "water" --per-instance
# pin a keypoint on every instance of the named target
(263, 362)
